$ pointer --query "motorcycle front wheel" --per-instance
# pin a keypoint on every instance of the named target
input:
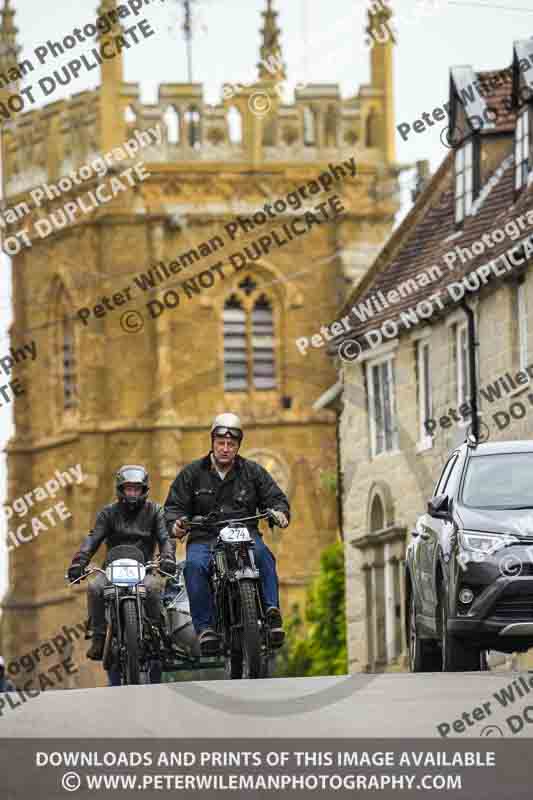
(250, 636)
(131, 641)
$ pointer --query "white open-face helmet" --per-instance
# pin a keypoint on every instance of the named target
(2, 662)
(227, 425)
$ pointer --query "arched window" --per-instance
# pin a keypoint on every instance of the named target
(130, 116)
(309, 127)
(192, 123)
(249, 341)
(372, 129)
(234, 118)
(331, 126)
(377, 515)
(65, 351)
(171, 118)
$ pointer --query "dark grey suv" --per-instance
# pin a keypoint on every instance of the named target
(469, 565)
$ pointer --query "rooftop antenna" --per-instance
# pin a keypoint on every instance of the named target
(187, 29)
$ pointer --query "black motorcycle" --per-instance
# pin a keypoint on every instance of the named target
(240, 609)
(133, 640)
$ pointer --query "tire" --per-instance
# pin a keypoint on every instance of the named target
(131, 641)
(424, 655)
(250, 636)
(457, 655)
(233, 665)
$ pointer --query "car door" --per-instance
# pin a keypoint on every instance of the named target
(430, 531)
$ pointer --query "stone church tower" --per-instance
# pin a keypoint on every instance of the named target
(140, 383)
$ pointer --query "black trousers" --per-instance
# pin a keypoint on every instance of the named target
(96, 603)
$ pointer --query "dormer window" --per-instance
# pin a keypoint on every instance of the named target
(464, 180)
(521, 149)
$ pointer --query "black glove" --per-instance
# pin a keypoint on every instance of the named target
(76, 570)
(168, 565)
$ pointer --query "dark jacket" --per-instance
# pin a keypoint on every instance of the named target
(246, 489)
(6, 685)
(116, 525)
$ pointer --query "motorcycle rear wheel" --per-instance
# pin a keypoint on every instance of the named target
(131, 641)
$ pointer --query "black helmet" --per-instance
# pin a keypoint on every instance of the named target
(132, 473)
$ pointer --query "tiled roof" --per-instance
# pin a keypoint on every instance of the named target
(425, 235)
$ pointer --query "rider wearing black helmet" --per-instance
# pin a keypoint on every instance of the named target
(131, 520)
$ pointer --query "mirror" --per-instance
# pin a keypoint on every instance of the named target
(439, 506)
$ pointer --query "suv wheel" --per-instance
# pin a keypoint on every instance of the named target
(457, 655)
(424, 655)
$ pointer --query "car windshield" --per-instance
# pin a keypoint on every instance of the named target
(499, 481)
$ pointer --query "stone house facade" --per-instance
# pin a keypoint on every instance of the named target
(404, 379)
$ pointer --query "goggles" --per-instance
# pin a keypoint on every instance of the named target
(132, 475)
(235, 433)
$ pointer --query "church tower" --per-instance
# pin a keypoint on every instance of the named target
(181, 297)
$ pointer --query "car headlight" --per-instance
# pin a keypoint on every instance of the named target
(486, 543)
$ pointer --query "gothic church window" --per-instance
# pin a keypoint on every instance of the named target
(522, 148)
(171, 118)
(192, 124)
(234, 120)
(65, 352)
(309, 127)
(249, 340)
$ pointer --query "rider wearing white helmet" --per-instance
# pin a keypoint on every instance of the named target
(236, 487)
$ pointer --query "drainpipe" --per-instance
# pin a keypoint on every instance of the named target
(340, 486)
(472, 345)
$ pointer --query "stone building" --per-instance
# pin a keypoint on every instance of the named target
(138, 377)
(406, 396)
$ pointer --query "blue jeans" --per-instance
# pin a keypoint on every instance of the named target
(196, 580)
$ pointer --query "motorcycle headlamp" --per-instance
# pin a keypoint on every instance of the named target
(486, 543)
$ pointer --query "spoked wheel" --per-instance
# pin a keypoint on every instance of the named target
(250, 636)
(457, 655)
(424, 655)
(131, 640)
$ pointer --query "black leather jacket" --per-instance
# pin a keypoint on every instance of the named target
(116, 524)
(198, 489)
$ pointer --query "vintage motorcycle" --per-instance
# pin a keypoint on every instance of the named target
(133, 640)
(240, 610)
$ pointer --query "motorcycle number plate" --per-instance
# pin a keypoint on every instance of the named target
(235, 535)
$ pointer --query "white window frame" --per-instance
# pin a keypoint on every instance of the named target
(521, 149)
(425, 394)
(464, 181)
(376, 363)
(521, 301)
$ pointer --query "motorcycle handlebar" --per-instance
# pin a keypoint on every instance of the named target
(89, 571)
(203, 522)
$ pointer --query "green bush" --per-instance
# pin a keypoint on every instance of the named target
(321, 650)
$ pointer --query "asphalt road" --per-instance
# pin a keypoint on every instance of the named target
(392, 705)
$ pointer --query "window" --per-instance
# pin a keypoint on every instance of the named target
(249, 340)
(462, 363)
(234, 120)
(192, 123)
(464, 181)
(381, 414)
(171, 118)
(377, 515)
(309, 127)
(130, 117)
(521, 302)
(521, 148)
(65, 352)
(425, 400)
